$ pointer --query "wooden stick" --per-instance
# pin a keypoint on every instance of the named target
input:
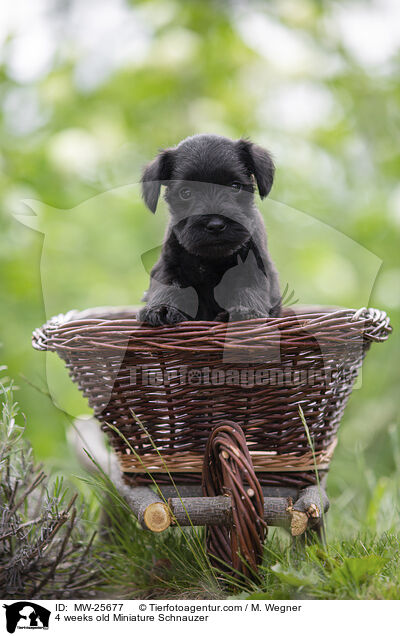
(201, 511)
(216, 511)
(151, 511)
(153, 514)
(194, 490)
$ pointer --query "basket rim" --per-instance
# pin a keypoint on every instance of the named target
(111, 328)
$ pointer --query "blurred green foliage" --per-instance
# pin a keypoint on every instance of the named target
(105, 85)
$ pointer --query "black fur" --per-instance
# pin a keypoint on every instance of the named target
(214, 263)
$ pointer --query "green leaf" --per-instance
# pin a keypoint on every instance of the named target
(292, 577)
(359, 569)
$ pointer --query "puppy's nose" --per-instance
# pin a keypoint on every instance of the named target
(215, 224)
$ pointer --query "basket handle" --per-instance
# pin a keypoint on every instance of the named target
(377, 327)
(42, 336)
(39, 340)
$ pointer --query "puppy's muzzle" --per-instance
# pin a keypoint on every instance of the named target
(215, 225)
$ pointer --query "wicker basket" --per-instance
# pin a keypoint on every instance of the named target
(180, 381)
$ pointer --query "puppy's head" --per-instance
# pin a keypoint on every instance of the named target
(210, 182)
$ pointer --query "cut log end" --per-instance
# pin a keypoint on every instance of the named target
(299, 523)
(313, 511)
(157, 517)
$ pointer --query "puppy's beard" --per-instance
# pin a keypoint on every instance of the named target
(195, 239)
(213, 252)
(210, 247)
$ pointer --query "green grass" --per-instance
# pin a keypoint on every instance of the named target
(138, 564)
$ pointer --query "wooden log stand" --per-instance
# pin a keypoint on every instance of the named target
(294, 510)
(230, 502)
(232, 505)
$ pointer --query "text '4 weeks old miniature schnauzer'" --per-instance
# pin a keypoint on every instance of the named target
(214, 264)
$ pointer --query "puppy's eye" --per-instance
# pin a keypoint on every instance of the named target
(185, 194)
(236, 186)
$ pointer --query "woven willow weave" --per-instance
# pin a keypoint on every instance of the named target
(165, 388)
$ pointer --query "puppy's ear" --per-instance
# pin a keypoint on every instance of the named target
(259, 163)
(156, 174)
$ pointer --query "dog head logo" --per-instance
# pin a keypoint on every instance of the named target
(26, 615)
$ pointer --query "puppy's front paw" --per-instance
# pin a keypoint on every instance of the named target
(241, 313)
(161, 315)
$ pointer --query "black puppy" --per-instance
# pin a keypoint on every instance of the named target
(214, 263)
